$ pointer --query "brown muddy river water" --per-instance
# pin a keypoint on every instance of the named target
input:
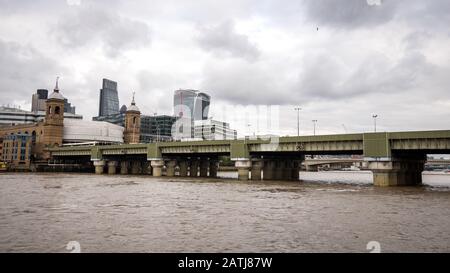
(328, 212)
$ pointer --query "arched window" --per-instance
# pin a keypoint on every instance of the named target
(33, 137)
(49, 109)
(57, 110)
(134, 120)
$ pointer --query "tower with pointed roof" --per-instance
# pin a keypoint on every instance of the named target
(132, 131)
(54, 118)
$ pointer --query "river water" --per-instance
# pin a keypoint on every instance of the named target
(328, 212)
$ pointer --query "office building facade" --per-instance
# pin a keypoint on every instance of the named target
(152, 128)
(10, 116)
(109, 99)
(38, 100)
(213, 130)
(188, 103)
(40, 97)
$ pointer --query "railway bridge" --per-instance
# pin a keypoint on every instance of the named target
(395, 158)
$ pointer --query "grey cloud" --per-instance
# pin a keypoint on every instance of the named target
(87, 25)
(323, 78)
(23, 69)
(240, 82)
(223, 39)
(349, 13)
(420, 14)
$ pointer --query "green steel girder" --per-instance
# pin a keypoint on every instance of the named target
(372, 144)
(96, 153)
(376, 145)
(239, 149)
(153, 151)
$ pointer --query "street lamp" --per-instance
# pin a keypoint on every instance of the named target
(375, 122)
(315, 122)
(298, 119)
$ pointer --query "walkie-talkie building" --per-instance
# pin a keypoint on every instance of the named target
(191, 104)
(109, 98)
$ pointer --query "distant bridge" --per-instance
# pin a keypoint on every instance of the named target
(395, 158)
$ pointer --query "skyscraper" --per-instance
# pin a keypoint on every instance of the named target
(188, 106)
(109, 99)
(40, 97)
(191, 104)
(38, 100)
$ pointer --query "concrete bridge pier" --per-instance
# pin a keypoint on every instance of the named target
(295, 172)
(112, 167)
(146, 168)
(171, 164)
(99, 166)
(257, 166)
(279, 169)
(193, 170)
(124, 167)
(287, 171)
(135, 167)
(204, 164)
(183, 164)
(269, 169)
(213, 167)
(397, 171)
(157, 166)
(243, 166)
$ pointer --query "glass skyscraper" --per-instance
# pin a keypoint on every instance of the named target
(188, 106)
(109, 99)
(191, 104)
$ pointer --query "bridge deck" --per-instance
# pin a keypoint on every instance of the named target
(369, 144)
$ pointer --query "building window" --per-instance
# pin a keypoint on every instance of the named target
(57, 110)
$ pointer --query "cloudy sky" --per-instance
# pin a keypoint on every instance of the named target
(340, 60)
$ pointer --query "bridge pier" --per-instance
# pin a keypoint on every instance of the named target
(257, 166)
(193, 170)
(295, 172)
(183, 164)
(112, 167)
(171, 164)
(157, 165)
(269, 169)
(213, 167)
(146, 168)
(287, 170)
(397, 172)
(243, 166)
(99, 166)
(135, 167)
(204, 164)
(279, 168)
(124, 167)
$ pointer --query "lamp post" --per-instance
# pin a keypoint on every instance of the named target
(375, 122)
(315, 122)
(298, 119)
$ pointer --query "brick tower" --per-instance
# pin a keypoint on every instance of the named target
(54, 119)
(132, 124)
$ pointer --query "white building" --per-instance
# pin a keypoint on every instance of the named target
(213, 130)
(78, 131)
(13, 116)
